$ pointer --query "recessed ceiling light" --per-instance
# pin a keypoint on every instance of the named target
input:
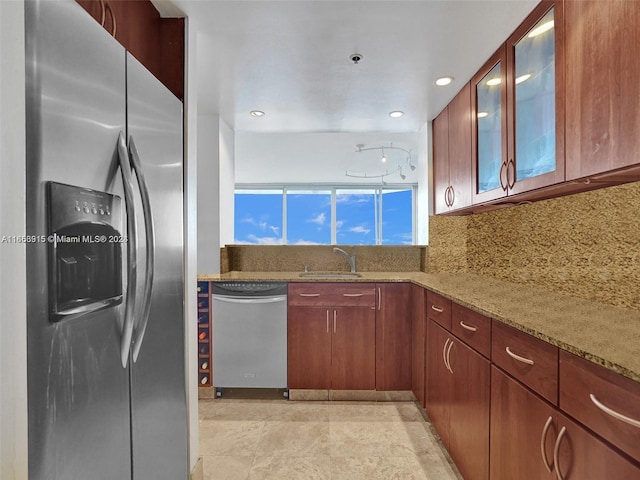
(257, 113)
(442, 81)
(396, 114)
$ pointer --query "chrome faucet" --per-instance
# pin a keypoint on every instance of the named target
(350, 258)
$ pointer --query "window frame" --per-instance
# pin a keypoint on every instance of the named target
(333, 188)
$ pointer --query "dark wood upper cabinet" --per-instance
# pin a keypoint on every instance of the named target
(602, 70)
(157, 43)
(489, 129)
(535, 100)
(452, 154)
(518, 110)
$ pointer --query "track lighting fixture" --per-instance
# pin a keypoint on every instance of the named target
(375, 172)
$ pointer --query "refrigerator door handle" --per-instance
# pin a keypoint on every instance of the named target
(150, 250)
(132, 247)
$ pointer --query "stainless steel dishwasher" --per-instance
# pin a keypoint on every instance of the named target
(249, 334)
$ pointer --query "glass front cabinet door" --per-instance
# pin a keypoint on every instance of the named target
(489, 129)
(519, 119)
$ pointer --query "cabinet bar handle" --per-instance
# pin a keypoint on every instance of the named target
(446, 196)
(543, 451)
(511, 164)
(352, 294)
(444, 353)
(556, 453)
(528, 361)
(327, 321)
(309, 294)
(453, 196)
(334, 321)
(471, 328)
(617, 415)
(449, 357)
(503, 167)
(437, 309)
(379, 299)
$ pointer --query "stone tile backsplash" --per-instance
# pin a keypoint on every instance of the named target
(585, 245)
(293, 258)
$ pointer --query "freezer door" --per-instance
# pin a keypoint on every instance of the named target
(158, 390)
(78, 392)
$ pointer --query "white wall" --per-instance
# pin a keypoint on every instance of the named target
(227, 183)
(208, 199)
(424, 170)
(321, 157)
(13, 340)
(216, 181)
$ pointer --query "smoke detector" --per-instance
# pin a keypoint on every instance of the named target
(356, 58)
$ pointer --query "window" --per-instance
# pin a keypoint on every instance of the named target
(308, 217)
(321, 216)
(258, 217)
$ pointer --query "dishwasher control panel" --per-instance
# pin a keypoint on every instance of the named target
(248, 289)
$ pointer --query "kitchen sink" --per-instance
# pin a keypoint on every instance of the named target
(330, 275)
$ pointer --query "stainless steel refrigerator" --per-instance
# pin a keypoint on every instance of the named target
(105, 314)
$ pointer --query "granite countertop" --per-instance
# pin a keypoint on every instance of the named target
(606, 335)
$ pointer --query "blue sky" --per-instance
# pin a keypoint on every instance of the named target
(259, 217)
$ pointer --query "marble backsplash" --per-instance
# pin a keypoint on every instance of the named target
(293, 258)
(585, 245)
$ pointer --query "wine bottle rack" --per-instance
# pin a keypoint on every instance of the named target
(204, 335)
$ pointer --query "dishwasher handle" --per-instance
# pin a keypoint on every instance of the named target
(250, 300)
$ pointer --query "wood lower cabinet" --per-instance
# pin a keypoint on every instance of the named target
(526, 433)
(393, 336)
(331, 348)
(353, 338)
(309, 348)
(518, 421)
(602, 400)
(458, 400)
(418, 342)
(439, 383)
(331, 336)
(581, 455)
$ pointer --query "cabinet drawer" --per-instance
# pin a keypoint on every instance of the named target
(439, 309)
(471, 327)
(604, 401)
(332, 294)
(532, 361)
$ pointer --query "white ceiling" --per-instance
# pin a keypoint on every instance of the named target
(291, 60)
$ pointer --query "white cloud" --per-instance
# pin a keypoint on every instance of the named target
(360, 229)
(255, 240)
(304, 242)
(262, 225)
(319, 219)
(352, 198)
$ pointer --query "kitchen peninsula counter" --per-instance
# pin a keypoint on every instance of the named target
(606, 335)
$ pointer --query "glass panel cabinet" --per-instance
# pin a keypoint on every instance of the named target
(535, 106)
(518, 122)
(489, 128)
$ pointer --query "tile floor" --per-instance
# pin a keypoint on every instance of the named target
(289, 440)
